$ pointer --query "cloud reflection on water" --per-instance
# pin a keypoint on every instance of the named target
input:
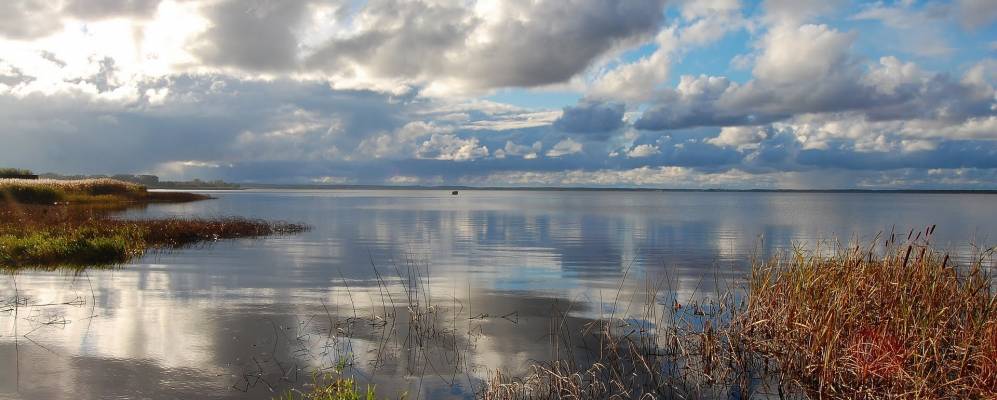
(196, 322)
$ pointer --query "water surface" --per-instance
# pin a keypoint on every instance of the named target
(250, 318)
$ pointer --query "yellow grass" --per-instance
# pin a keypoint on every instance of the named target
(905, 324)
(894, 319)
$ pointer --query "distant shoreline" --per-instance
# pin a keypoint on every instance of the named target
(598, 189)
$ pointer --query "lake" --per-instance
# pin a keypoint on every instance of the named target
(251, 318)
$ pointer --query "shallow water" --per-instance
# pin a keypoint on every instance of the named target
(250, 318)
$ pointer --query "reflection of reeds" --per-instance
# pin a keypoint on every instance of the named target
(667, 349)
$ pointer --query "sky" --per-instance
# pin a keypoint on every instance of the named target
(791, 94)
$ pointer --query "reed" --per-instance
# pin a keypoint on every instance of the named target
(14, 172)
(907, 323)
(49, 191)
(331, 386)
(48, 237)
(894, 319)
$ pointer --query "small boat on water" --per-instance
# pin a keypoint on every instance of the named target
(454, 193)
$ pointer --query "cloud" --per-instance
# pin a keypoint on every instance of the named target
(796, 12)
(565, 147)
(740, 137)
(451, 147)
(809, 69)
(672, 177)
(591, 117)
(643, 150)
(98, 9)
(257, 36)
(402, 91)
(29, 19)
(15, 13)
(702, 23)
(919, 31)
(975, 14)
(633, 80)
(449, 47)
(527, 152)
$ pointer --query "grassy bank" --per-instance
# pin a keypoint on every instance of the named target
(52, 224)
(891, 320)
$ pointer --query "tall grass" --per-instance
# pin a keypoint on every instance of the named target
(332, 386)
(895, 319)
(48, 191)
(14, 172)
(906, 323)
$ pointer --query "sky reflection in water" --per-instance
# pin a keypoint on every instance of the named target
(237, 318)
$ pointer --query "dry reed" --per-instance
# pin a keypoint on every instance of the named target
(895, 319)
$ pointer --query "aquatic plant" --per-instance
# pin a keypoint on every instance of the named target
(332, 386)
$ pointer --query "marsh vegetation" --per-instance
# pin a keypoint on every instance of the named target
(890, 319)
(50, 224)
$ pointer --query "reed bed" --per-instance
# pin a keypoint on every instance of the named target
(49, 191)
(56, 223)
(14, 172)
(907, 323)
(892, 319)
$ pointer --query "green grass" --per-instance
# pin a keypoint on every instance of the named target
(53, 240)
(57, 224)
(332, 386)
(75, 248)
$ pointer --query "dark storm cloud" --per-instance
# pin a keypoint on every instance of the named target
(110, 8)
(405, 39)
(209, 118)
(256, 36)
(758, 102)
(561, 39)
(591, 117)
(29, 19)
(419, 40)
(15, 14)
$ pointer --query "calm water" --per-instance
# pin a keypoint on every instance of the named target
(250, 318)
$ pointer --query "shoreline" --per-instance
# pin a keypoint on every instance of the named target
(60, 224)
